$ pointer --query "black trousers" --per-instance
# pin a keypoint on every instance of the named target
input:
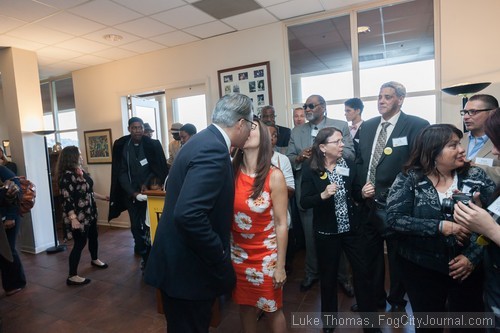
(329, 249)
(187, 316)
(433, 291)
(376, 261)
(12, 272)
(137, 212)
(79, 241)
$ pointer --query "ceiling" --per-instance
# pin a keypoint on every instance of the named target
(68, 35)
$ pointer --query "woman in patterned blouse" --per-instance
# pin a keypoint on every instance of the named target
(438, 257)
(327, 188)
(79, 210)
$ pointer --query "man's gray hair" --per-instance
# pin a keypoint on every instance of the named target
(398, 88)
(231, 108)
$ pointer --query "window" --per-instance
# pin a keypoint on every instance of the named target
(59, 112)
(394, 43)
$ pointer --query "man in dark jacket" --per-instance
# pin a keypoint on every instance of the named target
(136, 160)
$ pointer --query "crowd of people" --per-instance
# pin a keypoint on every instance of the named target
(242, 193)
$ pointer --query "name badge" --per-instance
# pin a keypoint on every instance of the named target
(403, 141)
(495, 207)
(342, 171)
(484, 161)
(314, 132)
(144, 162)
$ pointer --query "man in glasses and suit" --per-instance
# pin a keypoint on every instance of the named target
(478, 145)
(299, 150)
(190, 260)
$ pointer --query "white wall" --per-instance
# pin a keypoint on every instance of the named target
(469, 53)
(98, 89)
(470, 50)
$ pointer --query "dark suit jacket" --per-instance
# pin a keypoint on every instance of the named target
(324, 217)
(389, 166)
(283, 136)
(157, 162)
(191, 258)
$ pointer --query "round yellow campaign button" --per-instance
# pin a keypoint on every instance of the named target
(388, 150)
(482, 241)
(323, 176)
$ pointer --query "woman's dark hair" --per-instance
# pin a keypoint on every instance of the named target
(491, 127)
(69, 159)
(427, 147)
(263, 159)
(317, 156)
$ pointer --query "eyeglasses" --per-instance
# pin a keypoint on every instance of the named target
(336, 142)
(252, 124)
(311, 106)
(472, 112)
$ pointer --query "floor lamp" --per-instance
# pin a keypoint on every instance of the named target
(57, 247)
(464, 89)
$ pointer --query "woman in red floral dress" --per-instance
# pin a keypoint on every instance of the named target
(259, 232)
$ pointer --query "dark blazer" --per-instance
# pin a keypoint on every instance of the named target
(324, 217)
(157, 162)
(283, 136)
(389, 166)
(190, 258)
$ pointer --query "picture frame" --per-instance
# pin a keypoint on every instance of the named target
(98, 145)
(253, 80)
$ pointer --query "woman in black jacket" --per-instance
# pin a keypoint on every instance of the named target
(438, 256)
(326, 187)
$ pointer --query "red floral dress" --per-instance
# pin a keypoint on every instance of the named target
(254, 250)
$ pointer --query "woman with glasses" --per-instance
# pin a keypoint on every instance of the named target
(259, 232)
(438, 258)
(327, 180)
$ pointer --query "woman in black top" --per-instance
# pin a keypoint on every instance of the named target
(438, 256)
(327, 188)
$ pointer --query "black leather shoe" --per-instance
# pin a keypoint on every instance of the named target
(74, 283)
(347, 288)
(103, 266)
(355, 307)
(307, 283)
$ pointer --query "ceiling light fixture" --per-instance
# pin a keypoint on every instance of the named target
(364, 29)
(112, 37)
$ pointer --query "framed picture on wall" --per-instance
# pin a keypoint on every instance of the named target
(252, 80)
(98, 146)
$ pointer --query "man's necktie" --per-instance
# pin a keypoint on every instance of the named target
(379, 148)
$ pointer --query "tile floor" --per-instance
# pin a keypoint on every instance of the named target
(117, 300)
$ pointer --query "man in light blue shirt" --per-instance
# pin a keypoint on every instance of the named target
(479, 146)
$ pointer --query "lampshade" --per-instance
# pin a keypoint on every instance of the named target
(465, 88)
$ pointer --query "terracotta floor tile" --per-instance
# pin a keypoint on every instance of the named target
(118, 301)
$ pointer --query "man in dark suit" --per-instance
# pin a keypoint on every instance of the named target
(268, 116)
(375, 175)
(191, 257)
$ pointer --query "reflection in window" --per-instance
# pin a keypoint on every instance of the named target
(399, 46)
(59, 114)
